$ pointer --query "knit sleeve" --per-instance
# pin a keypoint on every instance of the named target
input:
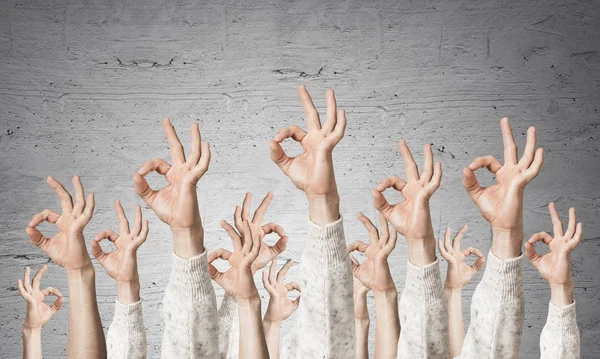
(190, 311)
(497, 311)
(560, 336)
(126, 337)
(229, 328)
(423, 315)
(325, 317)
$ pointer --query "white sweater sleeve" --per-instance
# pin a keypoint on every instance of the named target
(190, 311)
(325, 317)
(126, 337)
(423, 314)
(497, 311)
(560, 336)
(229, 328)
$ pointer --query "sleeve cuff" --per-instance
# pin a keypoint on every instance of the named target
(424, 282)
(228, 306)
(506, 275)
(327, 244)
(191, 274)
(563, 317)
(129, 317)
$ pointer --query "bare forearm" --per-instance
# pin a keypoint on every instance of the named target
(252, 336)
(421, 252)
(561, 295)
(188, 242)
(456, 326)
(128, 292)
(86, 337)
(32, 343)
(387, 327)
(324, 209)
(507, 244)
(272, 335)
(362, 338)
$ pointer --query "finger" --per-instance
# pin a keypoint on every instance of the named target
(36, 237)
(489, 162)
(510, 147)
(292, 286)
(436, 180)
(373, 232)
(123, 222)
(107, 234)
(247, 242)
(38, 277)
(58, 304)
(296, 303)
(141, 238)
(235, 238)
(279, 157)
(354, 262)
(237, 218)
(458, 237)
(531, 254)
(281, 243)
(412, 171)
(200, 169)
(66, 201)
(447, 256)
(52, 291)
(556, 222)
(385, 231)
(357, 246)
(540, 236)
(381, 204)
(391, 244)
(246, 207)
(478, 265)
(215, 274)
(177, 154)
(23, 292)
(265, 280)
(44, 216)
(88, 212)
(396, 182)
(256, 240)
(340, 127)
(448, 241)
(310, 112)
(470, 251)
(194, 155)
(577, 236)
(221, 253)
(97, 251)
(529, 152)
(79, 196)
(272, 272)
(286, 267)
(471, 184)
(260, 212)
(331, 112)
(535, 168)
(294, 132)
(427, 164)
(157, 164)
(26, 280)
(572, 223)
(143, 189)
(137, 221)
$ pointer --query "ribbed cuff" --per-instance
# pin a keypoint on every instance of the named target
(191, 274)
(424, 282)
(129, 317)
(326, 244)
(506, 275)
(564, 320)
(228, 307)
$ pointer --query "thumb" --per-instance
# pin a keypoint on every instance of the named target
(278, 155)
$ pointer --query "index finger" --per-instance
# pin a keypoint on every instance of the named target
(175, 146)
(260, 212)
(281, 274)
(510, 148)
(556, 222)
(65, 198)
(123, 222)
(312, 116)
(38, 277)
(412, 170)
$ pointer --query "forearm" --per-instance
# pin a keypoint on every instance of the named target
(188, 242)
(456, 326)
(506, 244)
(387, 327)
(562, 295)
(86, 338)
(252, 336)
(362, 338)
(128, 292)
(272, 333)
(324, 209)
(32, 343)
(421, 251)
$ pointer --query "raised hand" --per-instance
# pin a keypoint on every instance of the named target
(312, 170)
(459, 273)
(411, 217)
(280, 307)
(38, 312)
(67, 247)
(177, 203)
(121, 264)
(266, 253)
(238, 280)
(374, 273)
(555, 266)
(501, 204)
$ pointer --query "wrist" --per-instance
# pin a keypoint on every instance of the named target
(562, 294)
(188, 242)
(506, 243)
(29, 332)
(249, 302)
(85, 273)
(271, 320)
(421, 251)
(324, 209)
(128, 292)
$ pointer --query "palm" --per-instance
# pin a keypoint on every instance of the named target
(555, 266)
(374, 273)
(460, 273)
(281, 304)
(238, 281)
(312, 171)
(177, 203)
(38, 312)
(411, 217)
(68, 253)
(279, 307)
(120, 266)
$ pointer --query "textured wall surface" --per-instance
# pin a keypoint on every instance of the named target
(84, 85)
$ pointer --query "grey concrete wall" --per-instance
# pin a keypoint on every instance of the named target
(84, 85)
